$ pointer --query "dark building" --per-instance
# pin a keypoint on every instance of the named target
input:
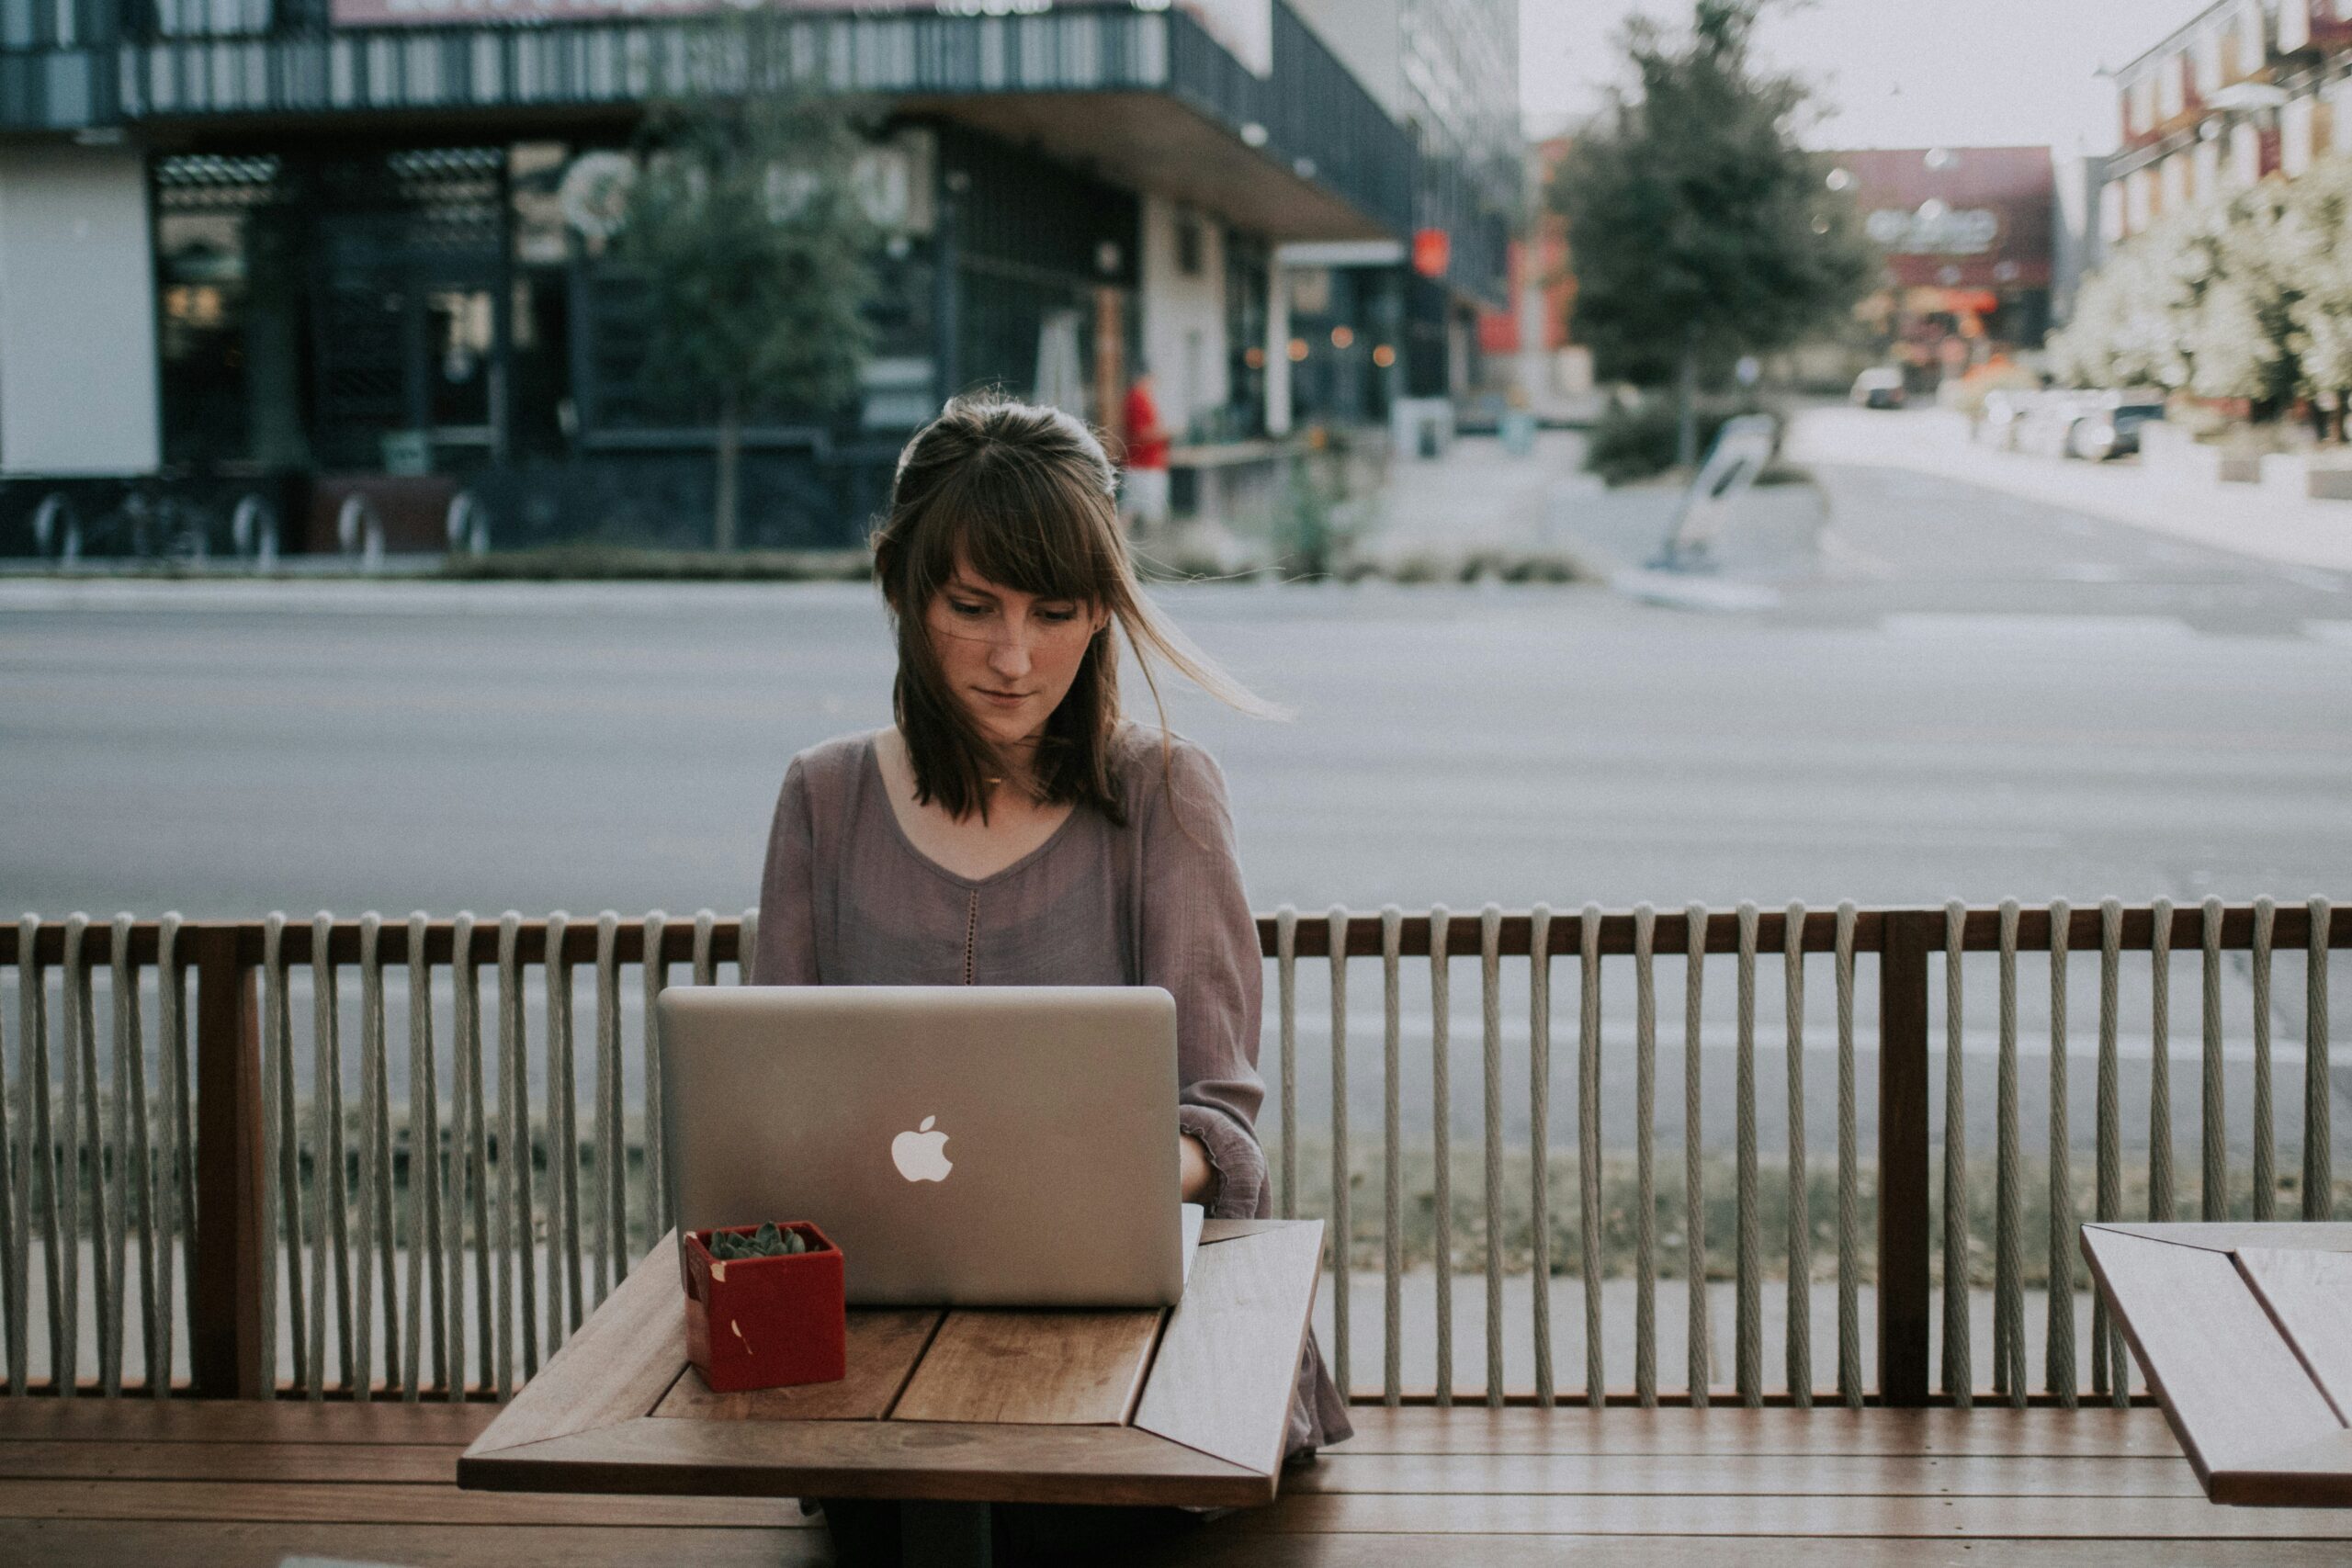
(301, 249)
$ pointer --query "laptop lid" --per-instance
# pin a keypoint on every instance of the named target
(965, 1145)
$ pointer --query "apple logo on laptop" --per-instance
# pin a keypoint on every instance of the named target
(921, 1155)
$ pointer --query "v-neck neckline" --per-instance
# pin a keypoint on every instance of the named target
(890, 808)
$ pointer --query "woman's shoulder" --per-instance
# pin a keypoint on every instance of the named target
(830, 769)
(1149, 759)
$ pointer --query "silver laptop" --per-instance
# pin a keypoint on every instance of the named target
(971, 1145)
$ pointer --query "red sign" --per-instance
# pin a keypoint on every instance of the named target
(1432, 248)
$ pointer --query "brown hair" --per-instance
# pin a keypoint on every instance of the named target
(1025, 497)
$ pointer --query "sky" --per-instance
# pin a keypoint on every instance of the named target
(1894, 73)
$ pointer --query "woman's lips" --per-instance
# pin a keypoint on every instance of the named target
(1003, 699)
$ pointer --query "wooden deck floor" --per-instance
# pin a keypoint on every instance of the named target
(135, 1483)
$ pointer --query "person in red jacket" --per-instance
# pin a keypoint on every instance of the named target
(1143, 493)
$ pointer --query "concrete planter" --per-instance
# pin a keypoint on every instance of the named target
(2166, 449)
(2287, 474)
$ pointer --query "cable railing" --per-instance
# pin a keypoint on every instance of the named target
(362, 1158)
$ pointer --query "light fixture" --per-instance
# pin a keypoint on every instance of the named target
(1297, 349)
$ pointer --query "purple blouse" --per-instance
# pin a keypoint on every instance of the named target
(847, 899)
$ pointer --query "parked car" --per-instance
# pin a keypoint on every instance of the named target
(2107, 423)
(1880, 387)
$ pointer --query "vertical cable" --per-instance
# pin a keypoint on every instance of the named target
(1286, 1013)
(1589, 1215)
(177, 1180)
(2160, 1204)
(2265, 1145)
(1392, 1260)
(1694, 1169)
(1748, 1350)
(2214, 1195)
(1490, 993)
(1539, 1141)
(2111, 1372)
(658, 1216)
(330, 1247)
(1799, 1347)
(2319, 1154)
(1645, 1155)
(2058, 1372)
(273, 1135)
(747, 943)
(612, 1150)
(81, 1134)
(376, 1240)
(468, 1157)
(289, 1198)
(128, 1174)
(1959, 1378)
(41, 1152)
(1441, 1136)
(517, 1309)
(2008, 1270)
(426, 1292)
(706, 967)
(1850, 1222)
(563, 1146)
(1342, 1229)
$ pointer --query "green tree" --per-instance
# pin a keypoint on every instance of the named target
(1700, 230)
(746, 230)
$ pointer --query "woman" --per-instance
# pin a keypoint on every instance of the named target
(1012, 828)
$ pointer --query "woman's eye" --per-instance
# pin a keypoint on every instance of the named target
(968, 611)
(1057, 617)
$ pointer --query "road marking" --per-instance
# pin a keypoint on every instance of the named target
(2304, 577)
(1998, 626)
(2089, 571)
(2338, 632)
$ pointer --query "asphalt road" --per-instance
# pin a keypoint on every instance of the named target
(1959, 693)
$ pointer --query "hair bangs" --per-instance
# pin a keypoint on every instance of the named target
(1015, 525)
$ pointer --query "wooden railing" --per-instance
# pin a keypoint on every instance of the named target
(193, 1166)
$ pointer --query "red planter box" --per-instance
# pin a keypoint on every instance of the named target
(766, 1322)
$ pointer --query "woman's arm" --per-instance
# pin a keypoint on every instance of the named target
(787, 954)
(1200, 941)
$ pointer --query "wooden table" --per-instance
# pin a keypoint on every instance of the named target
(952, 1410)
(2245, 1331)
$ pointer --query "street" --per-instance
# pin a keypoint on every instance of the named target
(1960, 694)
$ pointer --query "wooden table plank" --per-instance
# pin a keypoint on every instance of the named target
(1228, 1360)
(2228, 1236)
(109, 1543)
(884, 1345)
(371, 1504)
(1945, 1519)
(2180, 1306)
(618, 1365)
(1062, 1368)
(2309, 1295)
(240, 1421)
(1990, 1430)
(415, 1463)
(939, 1460)
(2318, 1474)
(1221, 1547)
(1744, 1475)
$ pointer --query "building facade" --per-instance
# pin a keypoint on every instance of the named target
(303, 250)
(1373, 324)
(2243, 90)
(1970, 238)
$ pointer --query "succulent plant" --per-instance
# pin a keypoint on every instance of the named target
(768, 1241)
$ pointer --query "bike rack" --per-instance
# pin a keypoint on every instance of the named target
(469, 524)
(54, 507)
(359, 528)
(253, 528)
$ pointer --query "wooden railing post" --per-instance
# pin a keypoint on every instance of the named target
(225, 1289)
(1902, 1163)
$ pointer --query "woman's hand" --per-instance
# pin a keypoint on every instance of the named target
(1198, 1175)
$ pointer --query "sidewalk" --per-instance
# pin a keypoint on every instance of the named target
(1476, 499)
(2243, 519)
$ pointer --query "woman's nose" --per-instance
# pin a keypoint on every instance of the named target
(1009, 654)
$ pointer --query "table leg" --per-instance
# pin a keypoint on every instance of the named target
(945, 1535)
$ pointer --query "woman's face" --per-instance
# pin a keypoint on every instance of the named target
(1009, 657)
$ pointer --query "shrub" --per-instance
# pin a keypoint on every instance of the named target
(1638, 443)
